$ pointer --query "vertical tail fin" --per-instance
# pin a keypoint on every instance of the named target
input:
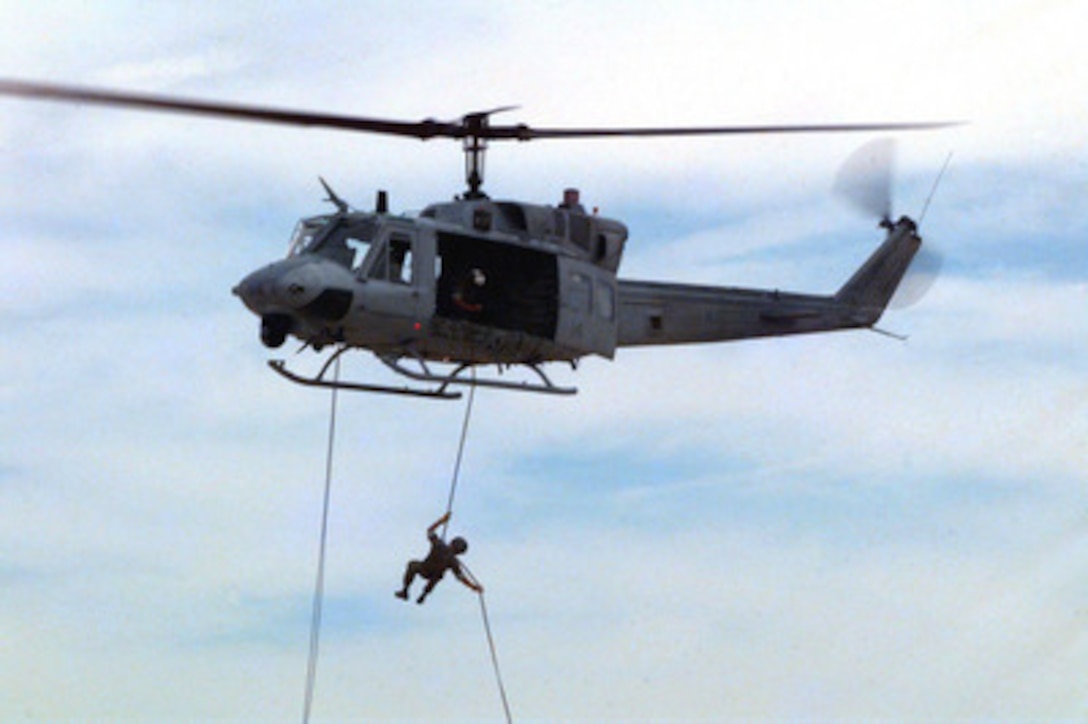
(872, 286)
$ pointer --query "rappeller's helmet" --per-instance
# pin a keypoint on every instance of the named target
(458, 545)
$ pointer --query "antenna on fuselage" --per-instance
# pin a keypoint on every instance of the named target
(333, 198)
(933, 190)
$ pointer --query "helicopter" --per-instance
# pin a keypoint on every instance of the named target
(475, 282)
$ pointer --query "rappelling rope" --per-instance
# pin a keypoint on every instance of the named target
(319, 583)
(495, 660)
(460, 451)
(449, 511)
(491, 647)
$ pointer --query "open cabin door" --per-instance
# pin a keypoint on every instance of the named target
(499, 285)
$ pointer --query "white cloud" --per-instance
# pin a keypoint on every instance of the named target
(749, 529)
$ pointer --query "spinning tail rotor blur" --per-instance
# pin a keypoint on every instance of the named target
(865, 182)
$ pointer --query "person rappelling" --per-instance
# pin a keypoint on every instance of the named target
(441, 558)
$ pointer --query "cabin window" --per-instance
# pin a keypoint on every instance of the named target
(581, 292)
(606, 300)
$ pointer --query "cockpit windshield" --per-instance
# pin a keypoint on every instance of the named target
(344, 238)
(305, 232)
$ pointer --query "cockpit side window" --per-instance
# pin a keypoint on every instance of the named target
(358, 249)
(393, 262)
(358, 238)
(400, 260)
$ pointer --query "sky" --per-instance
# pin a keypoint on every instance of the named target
(839, 526)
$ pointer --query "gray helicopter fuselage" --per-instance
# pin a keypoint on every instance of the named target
(480, 281)
(475, 281)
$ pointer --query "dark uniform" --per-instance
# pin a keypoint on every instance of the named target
(441, 558)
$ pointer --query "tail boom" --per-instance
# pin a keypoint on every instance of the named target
(654, 313)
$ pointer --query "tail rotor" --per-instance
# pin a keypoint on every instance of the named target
(865, 182)
(865, 179)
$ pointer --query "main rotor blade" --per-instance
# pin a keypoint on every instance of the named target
(526, 133)
(473, 125)
(151, 102)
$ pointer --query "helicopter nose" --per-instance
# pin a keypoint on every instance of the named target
(282, 286)
(256, 290)
(309, 288)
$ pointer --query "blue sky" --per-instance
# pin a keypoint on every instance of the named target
(839, 526)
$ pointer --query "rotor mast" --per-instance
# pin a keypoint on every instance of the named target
(475, 130)
(474, 144)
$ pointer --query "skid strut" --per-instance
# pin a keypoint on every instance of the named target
(441, 381)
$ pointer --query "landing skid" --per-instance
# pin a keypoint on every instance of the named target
(441, 381)
(424, 374)
(321, 380)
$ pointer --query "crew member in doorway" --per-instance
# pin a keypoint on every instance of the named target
(469, 293)
(441, 558)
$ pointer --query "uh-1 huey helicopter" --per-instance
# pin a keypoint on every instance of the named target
(478, 282)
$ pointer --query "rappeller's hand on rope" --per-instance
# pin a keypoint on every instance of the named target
(440, 522)
(466, 577)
